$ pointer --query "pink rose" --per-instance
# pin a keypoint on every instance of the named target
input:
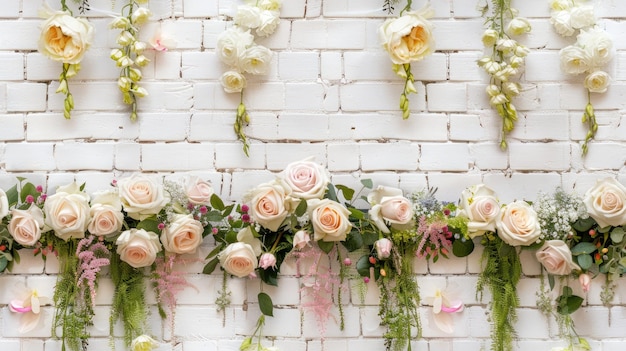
(329, 219)
(301, 239)
(198, 191)
(270, 204)
(138, 247)
(106, 214)
(267, 260)
(183, 235)
(585, 281)
(307, 179)
(25, 225)
(383, 248)
(606, 202)
(556, 257)
(238, 259)
(390, 207)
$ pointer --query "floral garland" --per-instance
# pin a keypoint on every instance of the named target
(236, 48)
(65, 38)
(129, 57)
(591, 52)
(407, 38)
(504, 60)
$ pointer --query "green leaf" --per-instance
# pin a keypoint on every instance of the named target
(363, 266)
(462, 248)
(348, 193)
(210, 267)
(301, 209)
(266, 305)
(28, 189)
(12, 196)
(326, 246)
(617, 235)
(369, 237)
(583, 248)
(367, 183)
(354, 241)
(214, 216)
(231, 237)
(583, 225)
(217, 203)
(551, 281)
(622, 262)
(356, 213)
(228, 210)
(3, 263)
(569, 305)
(331, 193)
(215, 251)
(150, 224)
(584, 261)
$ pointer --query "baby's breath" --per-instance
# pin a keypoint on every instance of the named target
(556, 212)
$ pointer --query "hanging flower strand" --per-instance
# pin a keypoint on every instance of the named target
(237, 49)
(407, 39)
(129, 57)
(504, 60)
(592, 51)
(64, 38)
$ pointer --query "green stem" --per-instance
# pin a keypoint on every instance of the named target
(407, 7)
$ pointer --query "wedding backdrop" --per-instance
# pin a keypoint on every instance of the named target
(308, 175)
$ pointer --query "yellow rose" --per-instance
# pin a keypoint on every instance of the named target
(65, 38)
(409, 37)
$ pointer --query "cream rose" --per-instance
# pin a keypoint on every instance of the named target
(246, 236)
(390, 207)
(106, 214)
(248, 16)
(606, 202)
(255, 59)
(142, 196)
(183, 235)
(480, 205)
(518, 224)
(556, 257)
(67, 212)
(198, 191)
(138, 247)
(408, 38)
(233, 81)
(270, 203)
(269, 21)
(232, 43)
(597, 81)
(561, 20)
(330, 220)
(574, 60)
(598, 46)
(238, 259)
(65, 38)
(25, 225)
(307, 179)
(582, 16)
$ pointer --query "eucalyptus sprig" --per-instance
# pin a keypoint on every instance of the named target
(129, 57)
(504, 60)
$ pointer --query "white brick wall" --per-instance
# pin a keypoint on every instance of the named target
(330, 93)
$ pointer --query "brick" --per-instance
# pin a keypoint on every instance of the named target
(179, 156)
(456, 159)
(12, 127)
(194, 8)
(163, 126)
(201, 65)
(11, 66)
(26, 97)
(555, 156)
(299, 66)
(322, 34)
(24, 34)
(372, 97)
(378, 156)
(81, 156)
(29, 157)
(447, 97)
(331, 65)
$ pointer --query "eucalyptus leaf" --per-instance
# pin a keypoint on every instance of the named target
(368, 183)
(363, 266)
(617, 235)
(584, 261)
(331, 193)
(265, 304)
(583, 248)
(348, 193)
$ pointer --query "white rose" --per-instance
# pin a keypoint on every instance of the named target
(143, 343)
(408, 38)
(582, 16)
(65, 38)
(574, 60)
(270, 203)
(330, 220)
(183, 235)
(67, 212)
(556, 257)
(480, 205)
(390, 206)
(248, 16)
(233, 81)
(518, 26)
(271, 5)
(246, 236)
(4, 204)
(597, 45)
(138, 247)
(269, 23)
(238, 259)
(560, 5)
(561, 22)
(25, 225)
(232, 43)
(198, 190)
(518, 224)
(142, 196)
(255, 59)
(606, 203)
(597, 81)
(307, 179)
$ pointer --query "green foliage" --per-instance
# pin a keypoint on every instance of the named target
(501, 273)
(265, 304)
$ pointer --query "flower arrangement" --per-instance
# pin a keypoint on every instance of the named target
(65, 38)
(407, 38)
(129, 57)
(504, 59)
(590, 54)
(237, 49)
